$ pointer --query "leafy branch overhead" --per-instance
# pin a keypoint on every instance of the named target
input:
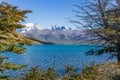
(11, 16)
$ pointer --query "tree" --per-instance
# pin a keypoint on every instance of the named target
(10, 40)
(101, 18)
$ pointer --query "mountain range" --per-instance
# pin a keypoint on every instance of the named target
(57, 34)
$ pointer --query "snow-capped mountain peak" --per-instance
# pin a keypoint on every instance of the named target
(30, 27)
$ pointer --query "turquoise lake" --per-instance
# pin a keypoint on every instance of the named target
(46, 56)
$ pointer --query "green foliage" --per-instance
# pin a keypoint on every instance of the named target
(90, 72)
(107, 71)
(70, 73)
(116, 77)
(37, 74)
(10, 16)
(104, 49)
(10, 41)
(12, 66)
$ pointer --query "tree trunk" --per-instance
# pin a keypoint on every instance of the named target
(118, 53)
(119, 57)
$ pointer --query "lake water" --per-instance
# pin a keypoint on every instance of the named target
(59, 55)
(46, 56)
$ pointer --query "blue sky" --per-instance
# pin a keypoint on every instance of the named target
(47, 12)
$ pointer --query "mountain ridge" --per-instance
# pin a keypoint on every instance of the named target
(58, 34)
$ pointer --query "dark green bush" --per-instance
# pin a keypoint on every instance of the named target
(38, 74)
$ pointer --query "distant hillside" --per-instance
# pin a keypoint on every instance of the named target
(17, 36)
